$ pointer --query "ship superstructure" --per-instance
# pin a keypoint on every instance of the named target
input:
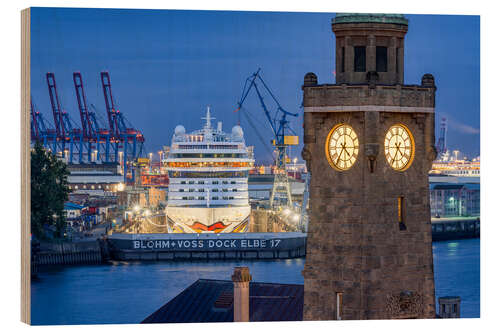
(208, 173)
(456, 167)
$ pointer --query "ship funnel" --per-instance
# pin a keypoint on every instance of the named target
(219, 126)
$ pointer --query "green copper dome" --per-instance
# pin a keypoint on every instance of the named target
(369, 18)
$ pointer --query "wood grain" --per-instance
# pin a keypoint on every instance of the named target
(25, 167)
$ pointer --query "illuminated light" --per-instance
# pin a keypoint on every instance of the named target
(296, 217)
(136, 208)
(286, 211)
(147, 212)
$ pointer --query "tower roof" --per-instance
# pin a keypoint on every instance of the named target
(369, 18)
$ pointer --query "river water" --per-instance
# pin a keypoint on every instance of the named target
(127, 292)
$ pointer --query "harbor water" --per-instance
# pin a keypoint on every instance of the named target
(127, 292)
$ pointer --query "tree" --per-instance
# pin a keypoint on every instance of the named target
(49, 191)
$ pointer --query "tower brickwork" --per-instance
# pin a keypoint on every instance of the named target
(369, 247)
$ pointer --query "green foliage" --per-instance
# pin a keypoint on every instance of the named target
(49, 191)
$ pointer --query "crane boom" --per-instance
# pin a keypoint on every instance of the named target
(88, 131)
(110, 105)
(56, 107)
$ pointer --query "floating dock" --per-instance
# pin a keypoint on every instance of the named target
(455, 228)
(207, 246)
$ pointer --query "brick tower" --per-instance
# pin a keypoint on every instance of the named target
(369, 144)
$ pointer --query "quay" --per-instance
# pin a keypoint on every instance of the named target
(455, 228)
(210, 246)
(67, 253)
(205, 246)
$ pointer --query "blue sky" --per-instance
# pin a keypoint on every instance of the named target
(167, 66)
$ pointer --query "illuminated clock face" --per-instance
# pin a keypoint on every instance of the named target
(399, 147)
(342, 147)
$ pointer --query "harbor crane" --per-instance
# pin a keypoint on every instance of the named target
(121, 131)
(66, 131)
(91, 141)
(441, 145)
(40, 131)
(281, 194)
(94, 135)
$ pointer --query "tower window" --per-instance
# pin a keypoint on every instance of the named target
(381, 59)
(360, 59)
(339, 306)
(397, 60)
(401, 213)
(342, 60)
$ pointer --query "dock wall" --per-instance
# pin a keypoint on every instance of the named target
(207, 246)
(69, 253)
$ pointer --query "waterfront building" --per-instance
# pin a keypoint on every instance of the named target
(95, 178)
(369, 145)
(454, 200)
(208, 179)
(73, 210)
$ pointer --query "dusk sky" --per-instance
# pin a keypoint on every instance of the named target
(167, 66)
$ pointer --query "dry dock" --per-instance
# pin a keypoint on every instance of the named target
(207, 246)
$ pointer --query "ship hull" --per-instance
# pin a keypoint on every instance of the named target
(207, 219)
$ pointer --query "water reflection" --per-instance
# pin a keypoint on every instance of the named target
(127, 292)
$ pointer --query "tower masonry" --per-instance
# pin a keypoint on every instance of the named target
(369, 145)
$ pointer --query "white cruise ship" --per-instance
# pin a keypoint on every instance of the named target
(208, 180)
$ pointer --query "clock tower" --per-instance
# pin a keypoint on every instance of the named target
(369, 145)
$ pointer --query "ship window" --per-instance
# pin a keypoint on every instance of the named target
(381, 59)
(201, 182)
(360, 59)
(191, 182)
(233, 182)
(183, 182)
(215, 182)
(201, 198)
(215, 198)
(235, 190)
(191, 190)
(224, 190)
(224, 182)
(184, 198)
(191, 198)
(215, 190)
(201, 190)
(181, 190)
(231, 198)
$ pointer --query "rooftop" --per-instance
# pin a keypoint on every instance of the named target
(212, 301)
(369, 18)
